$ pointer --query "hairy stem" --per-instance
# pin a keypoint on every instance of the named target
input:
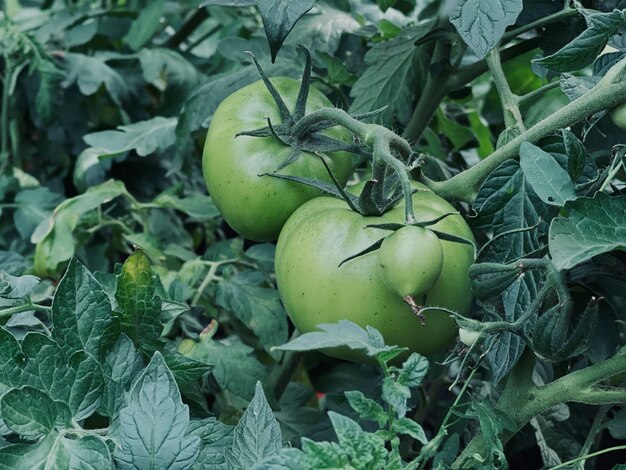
(7, 312)
(465, 185)
(522, 400)
(509, 101)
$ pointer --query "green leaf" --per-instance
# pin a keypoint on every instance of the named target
(549, 181)
(153, 425)
(576, 154)
(146, 24)
(28, 412)
(279, 17)
(92, 72)
(396, 394)
(144, 137)
(216, 438)
(135, 294)
(198, 206)
(57, 243)
(342, 333)
(413, 370)
(585, 48)
(34, 207)
(392, 78)
(81, 312)
(57, 451)
(184, 369)
(411, 428)
(16, 287)
(235, 368)
(591, 227)
(365, 450)
(482, 23)
(366, 407)
(122, 364)
(259, 308)
(256, 436)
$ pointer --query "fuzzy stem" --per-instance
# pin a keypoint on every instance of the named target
(509, 101)
(465, 185)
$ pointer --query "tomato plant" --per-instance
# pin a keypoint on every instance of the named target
(235, 166)
(426, 167)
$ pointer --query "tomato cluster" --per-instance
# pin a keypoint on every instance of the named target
(413, 265)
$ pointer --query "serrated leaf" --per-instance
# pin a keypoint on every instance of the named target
(28, 412)
(216, 438)
(135, 294)
(549, 181)
(81, 312)
(144, 137)
(342, 333)
(592, 226)
(279, 17)
(33, 207)
(256, 436)
(482, 23)
(153, 425)
(92, 72)
(16, 287)
(413, 370)
(234, 367)
(392, 77)
(120, 367)
(366, 407)
(257, 307)
(198, 206)
(57, 244)
(411, 428)
(396, 395)
(57, 451)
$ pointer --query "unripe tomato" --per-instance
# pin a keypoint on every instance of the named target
(411, 260)
(258, 206)
(467, 337)
(324, 231)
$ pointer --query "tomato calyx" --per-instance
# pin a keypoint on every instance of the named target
(287, 132)
(394, 227)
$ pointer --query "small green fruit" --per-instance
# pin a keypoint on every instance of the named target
(411, 260)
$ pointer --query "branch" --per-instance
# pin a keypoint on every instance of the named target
(605, 95)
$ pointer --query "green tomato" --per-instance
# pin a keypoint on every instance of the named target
(258, 206)
(618, 116)
(467, 337)
(411, 260)
(324, 231)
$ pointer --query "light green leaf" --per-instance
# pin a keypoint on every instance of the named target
(216, 438)
(57, 244)
(92, 72)
(482, 23)
(144, 137)
(551, 182)
(153, 425)
(57, 451)
(34, 206)
(146, 24)
(592, 226)
(256, 436)
(16, 287)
